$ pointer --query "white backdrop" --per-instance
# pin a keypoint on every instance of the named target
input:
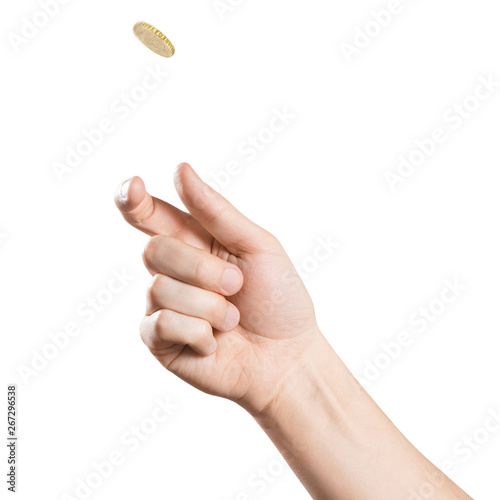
(408, 296)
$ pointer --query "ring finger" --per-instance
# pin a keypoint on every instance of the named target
(165, 292)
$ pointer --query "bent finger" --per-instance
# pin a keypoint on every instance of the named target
(165, 292)
(165, 328)
(181, 261)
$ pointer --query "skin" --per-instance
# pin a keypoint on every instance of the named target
(227, 313)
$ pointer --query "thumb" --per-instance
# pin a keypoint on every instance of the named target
(231, 228)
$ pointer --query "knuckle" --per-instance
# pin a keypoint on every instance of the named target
(164, 322)
(155, 287)
(144, 331)
(151, 249)
(202, 270)
(217, 307)
(204, 332)
(270, 239)
(217, 212)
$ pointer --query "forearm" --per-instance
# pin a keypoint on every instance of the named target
(339, 442)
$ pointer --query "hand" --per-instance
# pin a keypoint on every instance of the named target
(226, 310)
(227, 313)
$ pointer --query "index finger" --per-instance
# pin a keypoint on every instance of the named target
(157, 217)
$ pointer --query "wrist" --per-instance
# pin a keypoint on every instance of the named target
(310, 417)
(310, 383)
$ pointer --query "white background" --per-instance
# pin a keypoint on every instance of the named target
(322, 176)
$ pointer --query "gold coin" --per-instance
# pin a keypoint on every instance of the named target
(154, 39)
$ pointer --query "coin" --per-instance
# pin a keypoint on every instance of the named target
(154, 39)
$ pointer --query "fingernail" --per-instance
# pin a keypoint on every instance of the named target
(230, 283)
(213, 347)
(124, 188)
(232, 318)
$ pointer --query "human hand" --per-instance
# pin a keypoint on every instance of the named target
(254, 339)
(226, 310)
